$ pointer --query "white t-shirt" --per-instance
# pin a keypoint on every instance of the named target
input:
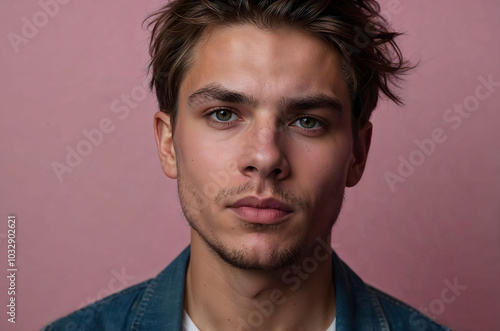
(188, 324)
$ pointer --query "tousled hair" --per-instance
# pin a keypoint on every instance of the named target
(371, 61)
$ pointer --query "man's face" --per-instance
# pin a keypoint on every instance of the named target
(263, 115)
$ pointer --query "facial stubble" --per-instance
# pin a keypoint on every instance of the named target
(193, 202)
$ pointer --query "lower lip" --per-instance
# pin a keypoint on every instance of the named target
(260, 215)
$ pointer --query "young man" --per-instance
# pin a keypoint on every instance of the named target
(264, 121)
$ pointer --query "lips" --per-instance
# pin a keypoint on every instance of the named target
(261, 211)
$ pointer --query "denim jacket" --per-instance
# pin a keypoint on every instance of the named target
(157, 304)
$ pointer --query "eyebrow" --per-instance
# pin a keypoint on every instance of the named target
(315, 101)
(216, 91)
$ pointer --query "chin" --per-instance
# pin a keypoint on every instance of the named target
(256, 255)
(275, 260)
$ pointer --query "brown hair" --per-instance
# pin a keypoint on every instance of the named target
(371, 60)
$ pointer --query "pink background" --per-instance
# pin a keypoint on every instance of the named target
(117, 212)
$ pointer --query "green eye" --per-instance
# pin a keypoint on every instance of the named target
(307, 123)
(223, 115)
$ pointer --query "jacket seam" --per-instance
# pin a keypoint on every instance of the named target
(377, 306)
(393, 300)
(117, 294)
(141, 309)
(403, 305)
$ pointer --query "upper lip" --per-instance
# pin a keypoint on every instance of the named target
(268, 203)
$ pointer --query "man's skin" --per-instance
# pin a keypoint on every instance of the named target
(268, 143)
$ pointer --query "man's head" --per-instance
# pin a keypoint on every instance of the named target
(270, 107)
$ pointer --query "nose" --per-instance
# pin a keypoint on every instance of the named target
(264, 153)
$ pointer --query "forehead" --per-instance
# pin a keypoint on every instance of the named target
(272, 63)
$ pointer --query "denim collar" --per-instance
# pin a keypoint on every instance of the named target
(161, 306)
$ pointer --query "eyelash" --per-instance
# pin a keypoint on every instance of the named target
(321, 123)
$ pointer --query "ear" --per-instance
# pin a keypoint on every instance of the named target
(165, 144)
(359, 155)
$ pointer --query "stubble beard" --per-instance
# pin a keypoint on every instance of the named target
(239, 257)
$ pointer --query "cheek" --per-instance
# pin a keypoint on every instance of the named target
(204, 163)
(322, 172)
(194, 164)
(327, 164)
(189, 154)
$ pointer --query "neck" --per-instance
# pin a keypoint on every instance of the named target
(221, 297)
